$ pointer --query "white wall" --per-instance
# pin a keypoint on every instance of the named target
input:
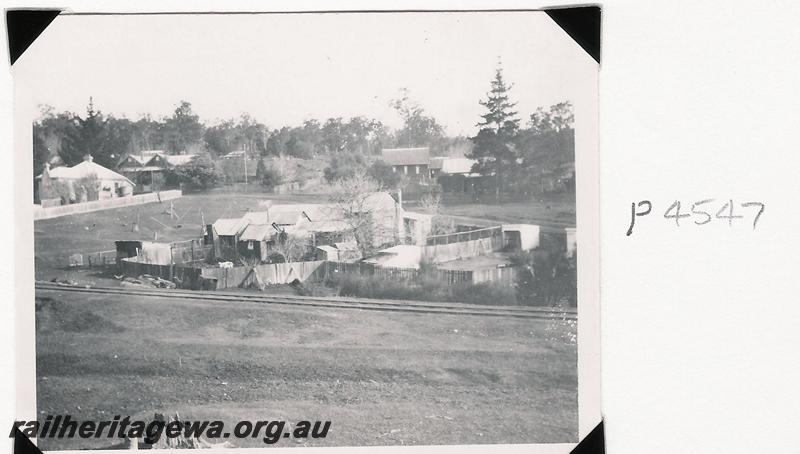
(528, 234)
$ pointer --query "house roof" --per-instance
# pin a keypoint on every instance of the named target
(257, 217)
(333, 225)
(156, 160)
(85, 169)
(400, 256)
(457, 165)
(142, 169)
(379, 201)
(151, 158)
(322, 212)
(482, 262)
(234, 154)
(292, 213)
(230, 227)
(406, 156)
(179, 159)
(347, 246)
(256, 232)
(150, 153)
(300, 218)
(285, 218)
(132, 160)
(417, 216)
(436, 162)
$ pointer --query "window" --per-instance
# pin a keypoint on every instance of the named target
(250, 245)
(416, 170)
(405, 170)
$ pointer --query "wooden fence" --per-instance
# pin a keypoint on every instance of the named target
(39, 212)
(190, 251)
(261, 275)
(332, 269)
(468, 235)
(504, 275)
(187, 275)
(94, 259)
(197, 276)
(187, 253)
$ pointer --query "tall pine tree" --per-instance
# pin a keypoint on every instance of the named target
(106, 139)
(494, 144)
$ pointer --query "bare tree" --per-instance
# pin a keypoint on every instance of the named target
(292, 248)
(351, 198)
(430, 203)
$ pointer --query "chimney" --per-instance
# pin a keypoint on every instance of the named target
(88, 158)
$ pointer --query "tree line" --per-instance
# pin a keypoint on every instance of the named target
(68, 135)
(523, 159)
(514, 157)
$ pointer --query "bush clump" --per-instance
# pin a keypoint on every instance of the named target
(423, 289)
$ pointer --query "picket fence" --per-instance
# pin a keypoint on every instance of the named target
(94, 259)
(40, 212)
(468, 235)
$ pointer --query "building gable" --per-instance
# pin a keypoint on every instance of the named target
(406, 156)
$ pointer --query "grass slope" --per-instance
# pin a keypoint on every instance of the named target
(381, 378)
(58, 238)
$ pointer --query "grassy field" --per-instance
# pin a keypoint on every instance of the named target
(553, 210)
(58, 238)
(381, 378)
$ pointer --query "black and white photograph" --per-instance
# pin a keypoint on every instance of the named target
(318, 229)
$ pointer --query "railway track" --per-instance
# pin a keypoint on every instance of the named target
(541, 313)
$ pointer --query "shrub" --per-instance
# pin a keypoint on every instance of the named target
(485, 293)
(383, 173)
(546, 277)
(441, 225)
(426, 288)
(345, 165)
(431, 200)
(270, 177)
(60, 190)
(200, 174)
(88, 187)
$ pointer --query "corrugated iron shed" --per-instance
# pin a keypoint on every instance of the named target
(257, 217)
(230, 227)
(255, 232)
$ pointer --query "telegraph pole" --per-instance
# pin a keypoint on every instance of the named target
(244, 154)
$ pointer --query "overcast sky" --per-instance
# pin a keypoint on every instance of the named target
(283, 69)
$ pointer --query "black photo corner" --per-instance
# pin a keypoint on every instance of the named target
(23, 445)
(24, 26)
(593, 443)
(583, 24)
